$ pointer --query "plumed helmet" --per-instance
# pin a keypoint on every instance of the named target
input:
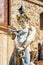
(21, 10)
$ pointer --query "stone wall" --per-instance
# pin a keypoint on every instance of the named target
(31, 10)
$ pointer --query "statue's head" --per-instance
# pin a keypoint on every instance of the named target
(23, 18)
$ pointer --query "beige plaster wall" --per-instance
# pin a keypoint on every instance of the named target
(3, 49)
(6, 48)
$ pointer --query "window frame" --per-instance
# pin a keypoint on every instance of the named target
(4, 23)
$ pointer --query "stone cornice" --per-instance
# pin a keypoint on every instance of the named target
(6, 28)
(35, 2)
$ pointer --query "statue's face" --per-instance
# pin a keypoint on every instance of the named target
(22, 21)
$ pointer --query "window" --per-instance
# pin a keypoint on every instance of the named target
(3, 12)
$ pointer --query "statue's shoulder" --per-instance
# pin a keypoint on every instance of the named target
(32, 28)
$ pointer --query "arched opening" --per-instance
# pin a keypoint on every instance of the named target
(41, 21)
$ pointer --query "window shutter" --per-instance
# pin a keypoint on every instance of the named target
(41, 21)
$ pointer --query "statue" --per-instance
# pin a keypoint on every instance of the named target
(23, 39)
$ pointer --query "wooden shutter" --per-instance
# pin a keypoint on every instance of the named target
(41, 21)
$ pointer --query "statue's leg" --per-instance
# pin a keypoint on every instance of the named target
(11, 60)
(26, 61)
(13, 57)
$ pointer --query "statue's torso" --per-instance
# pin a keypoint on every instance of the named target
(22, 37)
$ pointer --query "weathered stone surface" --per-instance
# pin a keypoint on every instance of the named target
(31, 10)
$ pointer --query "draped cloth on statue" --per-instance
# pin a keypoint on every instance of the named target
(28, 36)
(22, 39)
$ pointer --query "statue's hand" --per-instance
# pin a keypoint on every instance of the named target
(20, 49)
